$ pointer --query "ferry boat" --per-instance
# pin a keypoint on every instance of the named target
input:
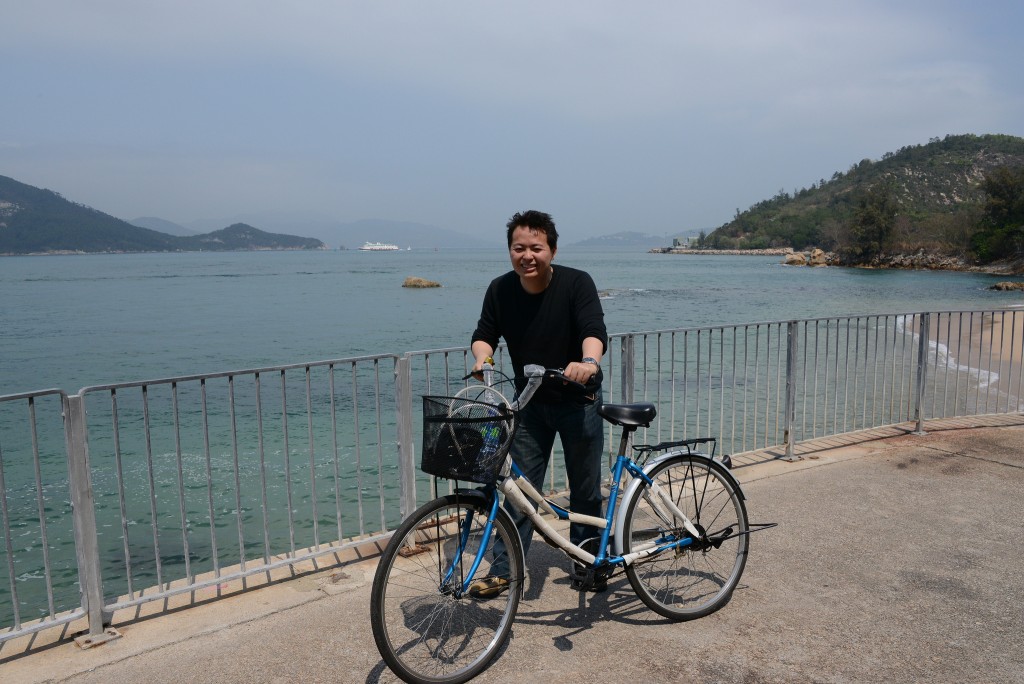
(378, 247)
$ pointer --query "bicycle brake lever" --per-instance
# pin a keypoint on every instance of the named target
(558, 375)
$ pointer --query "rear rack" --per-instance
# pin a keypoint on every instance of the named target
(643, 451)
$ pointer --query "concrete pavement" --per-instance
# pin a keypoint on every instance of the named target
(895, 560)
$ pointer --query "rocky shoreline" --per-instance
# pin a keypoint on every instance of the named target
(923, 261)
(919, 261)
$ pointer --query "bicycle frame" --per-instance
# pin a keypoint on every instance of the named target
(523, 495)
(518, 490)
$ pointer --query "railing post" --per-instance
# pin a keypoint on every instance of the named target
(627, 370)
(406, 450)
(790, 415)
(83, 513)
(922, 370)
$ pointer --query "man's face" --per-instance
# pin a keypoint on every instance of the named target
(531, 256)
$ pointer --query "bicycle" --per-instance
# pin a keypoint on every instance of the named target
(450, 580)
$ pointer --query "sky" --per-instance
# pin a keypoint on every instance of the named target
(657, 117)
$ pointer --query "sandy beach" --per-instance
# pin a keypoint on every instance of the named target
(987, 347)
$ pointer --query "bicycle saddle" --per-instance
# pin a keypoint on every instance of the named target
(628, 415)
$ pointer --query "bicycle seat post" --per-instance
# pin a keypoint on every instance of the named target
(627, 434)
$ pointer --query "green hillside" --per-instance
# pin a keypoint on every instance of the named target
(36, 221)
(940, 197)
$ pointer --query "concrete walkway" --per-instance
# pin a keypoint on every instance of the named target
(896, 560)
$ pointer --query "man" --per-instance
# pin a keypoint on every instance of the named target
(549, 316)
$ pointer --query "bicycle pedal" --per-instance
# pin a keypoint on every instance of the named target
(589, 578)
(594, 585)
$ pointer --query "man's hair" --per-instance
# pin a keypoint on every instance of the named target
(534, 220)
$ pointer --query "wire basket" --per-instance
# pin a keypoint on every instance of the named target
(465, 439)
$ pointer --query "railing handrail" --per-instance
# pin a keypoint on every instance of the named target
(262, 370)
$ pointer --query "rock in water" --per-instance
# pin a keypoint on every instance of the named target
(413, 281)
(818, 258)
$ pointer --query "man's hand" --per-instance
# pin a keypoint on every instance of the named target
(581, 371)
(478, 367)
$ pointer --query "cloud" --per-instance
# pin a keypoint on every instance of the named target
(601, 60)
(441, 111)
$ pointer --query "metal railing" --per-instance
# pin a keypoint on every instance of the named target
(134, 492)
(218, 477)
(39, 531)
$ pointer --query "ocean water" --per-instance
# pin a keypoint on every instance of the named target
(74, 321)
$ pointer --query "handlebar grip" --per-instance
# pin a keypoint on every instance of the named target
(552, 374)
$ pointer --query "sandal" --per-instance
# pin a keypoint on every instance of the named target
(488, 587)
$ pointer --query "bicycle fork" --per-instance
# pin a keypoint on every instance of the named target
(466, 527)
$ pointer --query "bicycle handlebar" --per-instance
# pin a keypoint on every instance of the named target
(568, 385)
(535, 376)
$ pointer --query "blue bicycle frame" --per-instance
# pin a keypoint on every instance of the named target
(622, 464)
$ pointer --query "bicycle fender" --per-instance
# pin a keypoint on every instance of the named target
(620, 514)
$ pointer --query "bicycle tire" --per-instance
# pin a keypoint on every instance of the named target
(688, 582)
(425, 628)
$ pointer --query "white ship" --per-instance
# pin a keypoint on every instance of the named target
(378, 247)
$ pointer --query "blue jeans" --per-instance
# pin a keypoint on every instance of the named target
(581, 431)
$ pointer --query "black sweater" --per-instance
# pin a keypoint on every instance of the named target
(547, 329)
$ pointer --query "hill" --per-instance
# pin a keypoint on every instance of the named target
(37, 221)
(924, 197)
(241, 237)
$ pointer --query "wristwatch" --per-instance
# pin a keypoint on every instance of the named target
(591, 359)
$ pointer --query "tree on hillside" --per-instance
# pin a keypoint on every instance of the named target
(874, 218)
(937, 187)
(1004, 190)
(1002, 236)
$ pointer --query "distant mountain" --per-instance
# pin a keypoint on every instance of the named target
(240, 237)
(37, 221)
(162, 226)
(630, 239)
(351, 235)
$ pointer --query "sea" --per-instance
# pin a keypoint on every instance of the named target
(76, 321)
(79, 320)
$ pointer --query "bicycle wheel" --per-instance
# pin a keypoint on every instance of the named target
(687, 582)
(426, 627)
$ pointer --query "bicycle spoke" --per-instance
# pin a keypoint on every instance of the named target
(424, 625)
(688, 581)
